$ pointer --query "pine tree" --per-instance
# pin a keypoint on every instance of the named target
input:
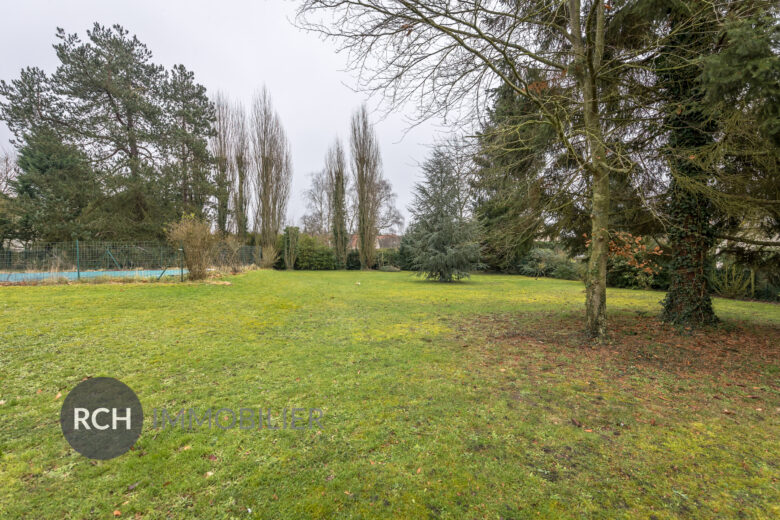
(189, 116)
(54, 187)
(142, 127)
(443, 242)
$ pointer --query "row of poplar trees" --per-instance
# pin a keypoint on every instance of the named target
(350, 195)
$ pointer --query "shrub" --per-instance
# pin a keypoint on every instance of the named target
(567, 271)
(353, 260)
(385, 257)
(229, 250)
(290, 239)
(767, 291)
(553, 263)
(730, 282)
(194, 236)
(313, 255)
(632, 263)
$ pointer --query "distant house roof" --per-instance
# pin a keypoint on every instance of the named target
(388, 241)
(382, 242)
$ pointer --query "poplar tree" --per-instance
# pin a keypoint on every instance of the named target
(336, 169)
(366, 171)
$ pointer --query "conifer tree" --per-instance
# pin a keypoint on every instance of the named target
(142, 127)
(54, 188)
(443, 242)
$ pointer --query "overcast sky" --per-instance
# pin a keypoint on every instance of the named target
(233, 46)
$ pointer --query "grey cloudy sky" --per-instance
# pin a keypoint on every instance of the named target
(234, 46)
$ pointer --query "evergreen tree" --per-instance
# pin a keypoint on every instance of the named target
(512, 195)
(189, 117)
(690, 212)
(54, 188)
(443, 242)
(142, 127)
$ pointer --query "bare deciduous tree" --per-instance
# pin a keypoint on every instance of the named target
(7, 173)
(272, 174)
(230, 148)
(220, 145)
(336, 170)
(461, 154)
(239, 168)
(367, 175)
(317, 219)
(443, 54)
(389, 219)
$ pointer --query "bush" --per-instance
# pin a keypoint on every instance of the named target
(730, 282)
(194, 236)
(767, 292)
(290, 239)
(568, 271)
(313, 255)
(353, 260)
(547, 262)
(632, 262)
(385, 257)
(227, 253)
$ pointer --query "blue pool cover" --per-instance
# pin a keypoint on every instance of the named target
(73, 275)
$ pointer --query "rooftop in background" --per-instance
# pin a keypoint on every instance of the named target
(382, 242)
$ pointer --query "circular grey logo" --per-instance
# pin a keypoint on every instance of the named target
(101, 418)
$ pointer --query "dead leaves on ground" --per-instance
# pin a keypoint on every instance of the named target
(634, 341)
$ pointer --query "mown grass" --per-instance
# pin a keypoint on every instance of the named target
(471, 400)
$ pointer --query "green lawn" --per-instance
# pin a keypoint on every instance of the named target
(471, 400)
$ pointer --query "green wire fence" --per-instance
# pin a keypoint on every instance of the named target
(80, 260)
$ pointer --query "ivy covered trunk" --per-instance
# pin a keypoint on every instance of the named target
(688, 301)
(691, 233)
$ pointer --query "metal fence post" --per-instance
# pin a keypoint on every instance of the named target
(181, 261)
(78, 261)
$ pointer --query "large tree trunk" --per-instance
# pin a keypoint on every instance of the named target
(691, 234)
(596, 279)
(690, 237)
(589, 63)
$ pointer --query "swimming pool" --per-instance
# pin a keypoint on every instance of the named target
(73, 275)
